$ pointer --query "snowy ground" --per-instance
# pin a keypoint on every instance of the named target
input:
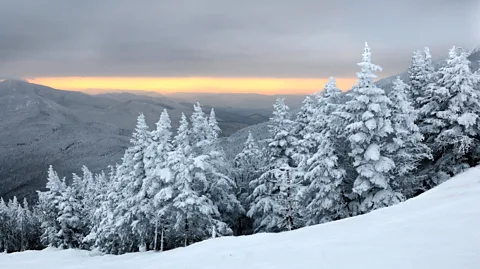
(439, 229)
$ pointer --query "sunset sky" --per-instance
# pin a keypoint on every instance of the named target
(222, 46)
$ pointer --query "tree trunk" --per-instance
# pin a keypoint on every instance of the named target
(156, 235)
(161, 241)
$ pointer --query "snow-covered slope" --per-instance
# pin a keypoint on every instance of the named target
(439, 229)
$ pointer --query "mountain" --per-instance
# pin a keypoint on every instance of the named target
(438, 229)
(40, 126)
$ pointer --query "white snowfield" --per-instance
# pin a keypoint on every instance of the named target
(439, 229)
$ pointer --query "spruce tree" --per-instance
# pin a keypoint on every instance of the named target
(369, 127)
(451, 123)
(274, 206)
(406, 148)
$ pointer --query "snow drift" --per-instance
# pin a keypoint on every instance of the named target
(439, 229)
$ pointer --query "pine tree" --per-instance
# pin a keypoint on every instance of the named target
(451, 123)
(194, 213)
(422, 75)
(407, 147)
(213, 124)
(274, 206)
(306, 143)
(248, 164)
(156, 187)
(323, 197)
(201, 134)
(130, 210)
(368, 114)
(48, 206)
(69, 218)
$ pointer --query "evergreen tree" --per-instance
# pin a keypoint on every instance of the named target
(305, 145)
(407, 148)
(323, 197)
(451, 123)
(274, 206)
(201, 134)
(48, 206)
(213, 124)
(368, 114)
(194, 213)
(248, 164)
(69, 218)
(422, 75)
(131, 209)
(156, 188)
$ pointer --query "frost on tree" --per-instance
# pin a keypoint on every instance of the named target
(194, 214)
(156, 188)
(323, 197)
(451, 123)
(48, 204)
(421, 75)
(274, 206)
(305, 144)
(368, 114)
(406, 148)
(248, 164)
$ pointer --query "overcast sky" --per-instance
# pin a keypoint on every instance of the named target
(223, 38)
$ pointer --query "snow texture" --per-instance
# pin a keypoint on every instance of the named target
(438, 229)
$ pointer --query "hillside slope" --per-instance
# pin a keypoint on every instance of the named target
(40, 126)
(438, 229)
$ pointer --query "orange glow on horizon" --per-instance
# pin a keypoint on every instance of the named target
(194, 84)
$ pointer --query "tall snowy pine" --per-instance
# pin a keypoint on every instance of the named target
(451, 122)
(407, 148)
(368, 114)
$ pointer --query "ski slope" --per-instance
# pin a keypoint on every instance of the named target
(439, 229)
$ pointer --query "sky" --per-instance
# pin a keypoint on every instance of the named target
(275, 46)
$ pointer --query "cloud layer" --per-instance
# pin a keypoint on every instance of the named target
(218, 38)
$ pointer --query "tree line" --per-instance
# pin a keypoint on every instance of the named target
(340, 155)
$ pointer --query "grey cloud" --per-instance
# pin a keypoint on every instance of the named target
(281, 38)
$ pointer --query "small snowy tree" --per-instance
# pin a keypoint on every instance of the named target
(48, 206)
(323, 198)
(421, 75)
(248, 164)
(69, 218)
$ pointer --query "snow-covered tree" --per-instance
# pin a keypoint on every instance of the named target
(70, 220)
(201, 134)
(274, 207)
(248, 164)
(194, 214)
(155, 189)
(368, 114)
(48, 206)
(451, 121)
(305, 143)
(323, 198)
(406, 148)
(213, 124)
(421, 75)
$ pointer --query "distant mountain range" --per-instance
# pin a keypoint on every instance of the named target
(40, 126)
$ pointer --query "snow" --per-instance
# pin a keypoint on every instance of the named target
(438, 229)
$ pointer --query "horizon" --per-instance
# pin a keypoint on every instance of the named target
(210, 46)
